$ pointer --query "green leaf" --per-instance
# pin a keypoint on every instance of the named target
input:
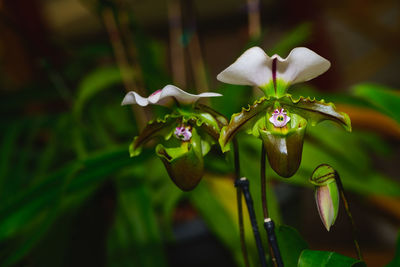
(290, 243)
(95, 82)
(241, 119)
(236, 95)
(217, 219)
(28, 215)
(135, 238)
(315, 111)
(381, 97)
(9, 145)
(314, 258)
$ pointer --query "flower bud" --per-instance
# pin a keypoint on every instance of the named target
(326, 194)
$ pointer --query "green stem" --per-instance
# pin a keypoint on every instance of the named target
(268, 223)
(349, 215)
(263, 182)
(239, 204)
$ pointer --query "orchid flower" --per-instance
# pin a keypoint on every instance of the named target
(278, 119)
(188, 132)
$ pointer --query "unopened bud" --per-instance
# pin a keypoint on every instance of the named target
(326, 194)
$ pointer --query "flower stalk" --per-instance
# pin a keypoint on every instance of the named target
(239, 203)
(349, 215)
(269, 225)
(243, 184)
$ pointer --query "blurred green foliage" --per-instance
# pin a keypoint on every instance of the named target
(54, 163)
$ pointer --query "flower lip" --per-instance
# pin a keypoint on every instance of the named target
(162, 97)
(183, 133)
(254, 67)
(279, 118)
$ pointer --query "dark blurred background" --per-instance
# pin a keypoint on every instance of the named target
(71, 196)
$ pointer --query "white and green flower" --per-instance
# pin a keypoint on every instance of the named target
(195, 128)
(278, 119)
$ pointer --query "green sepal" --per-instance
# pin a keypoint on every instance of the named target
(205, 118)
(159, 127)
(184, 164)
(284, 146)
(315, 111)
(323, 175)
(315, 258)
(221, 119)
(243, 119)
(277, 89)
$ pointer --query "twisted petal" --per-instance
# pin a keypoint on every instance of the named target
(162, 97)
(315, 110)
(242, 120)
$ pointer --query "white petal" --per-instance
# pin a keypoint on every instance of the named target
(180, 95)
(163, 97)
(253, 67)
(134, 98)
(301, 65)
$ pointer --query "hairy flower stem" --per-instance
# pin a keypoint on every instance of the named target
(239, 203)
(243, 183)
(349, 215)
(268, 223)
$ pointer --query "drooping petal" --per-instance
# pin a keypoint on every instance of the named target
(253, 68)
(134, 98)
(301, 65)
(242, 119)
(315, 111)
(163, 97)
